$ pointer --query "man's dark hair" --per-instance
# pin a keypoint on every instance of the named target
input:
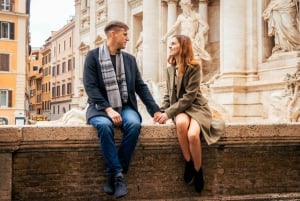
(115, 24)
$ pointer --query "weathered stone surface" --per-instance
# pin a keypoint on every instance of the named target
(251, 162)
(5, 176)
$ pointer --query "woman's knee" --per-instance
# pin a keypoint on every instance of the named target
(193, 137)
(181, 124)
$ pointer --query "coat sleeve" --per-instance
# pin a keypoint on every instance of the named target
(166, 97)
(91, 81)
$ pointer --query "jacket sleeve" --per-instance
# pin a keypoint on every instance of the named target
(191, 88)
(91, 81)
(144, 93)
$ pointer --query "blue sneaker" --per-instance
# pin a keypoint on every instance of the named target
(108, 186)
(120, 186)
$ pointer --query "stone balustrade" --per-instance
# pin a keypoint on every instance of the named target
(251, 161)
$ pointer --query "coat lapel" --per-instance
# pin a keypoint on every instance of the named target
(127, 70)
(171, 83)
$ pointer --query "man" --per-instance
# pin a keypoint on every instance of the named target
(111, 78)
(190, 24)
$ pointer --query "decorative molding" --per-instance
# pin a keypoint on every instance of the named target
(85, 22)
(101, 15)
(135, 3)
(99, 40)
(83, 47)
(99, 2)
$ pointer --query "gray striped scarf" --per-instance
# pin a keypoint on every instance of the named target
(115, 82)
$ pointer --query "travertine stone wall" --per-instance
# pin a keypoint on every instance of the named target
(5, 176)
(64, 163)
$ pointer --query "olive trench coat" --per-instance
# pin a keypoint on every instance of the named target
(186, 97)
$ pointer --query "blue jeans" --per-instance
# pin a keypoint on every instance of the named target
(117, 161)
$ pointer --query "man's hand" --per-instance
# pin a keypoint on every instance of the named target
(160, 117)
(156, 115)
(114, 116)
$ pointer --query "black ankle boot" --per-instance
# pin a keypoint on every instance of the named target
(189, 172)
(199, 181)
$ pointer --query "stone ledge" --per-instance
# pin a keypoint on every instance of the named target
(14, 137)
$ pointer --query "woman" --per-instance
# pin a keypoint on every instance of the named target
(185, 104)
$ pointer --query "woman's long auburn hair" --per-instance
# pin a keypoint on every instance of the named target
(186, 54)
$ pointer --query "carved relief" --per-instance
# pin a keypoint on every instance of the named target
(292, 92)
(285, 106)
(134, 3)
(99, 2)
(101, 15)
(85, 22)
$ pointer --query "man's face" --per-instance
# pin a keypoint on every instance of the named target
(121, 38)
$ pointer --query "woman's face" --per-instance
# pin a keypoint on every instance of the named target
(174, 47)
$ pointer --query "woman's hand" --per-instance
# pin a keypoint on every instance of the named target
(162, 118)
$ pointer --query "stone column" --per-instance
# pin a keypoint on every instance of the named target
(115, 10)
(252, 40)
(231, 88)
(203, 9)
(233, 38)
(170, 8)
(150, 39)
(92, 23)
(203, 14)
(77, 40)
(172, 12)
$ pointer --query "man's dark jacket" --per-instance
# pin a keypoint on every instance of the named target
(95, 88)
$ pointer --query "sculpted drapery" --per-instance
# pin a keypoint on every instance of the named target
(282, 16)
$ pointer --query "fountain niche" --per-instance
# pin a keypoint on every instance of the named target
(249, 73)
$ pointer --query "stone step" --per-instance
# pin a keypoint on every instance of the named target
(254, 197)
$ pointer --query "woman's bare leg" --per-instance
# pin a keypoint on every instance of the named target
(182, 125)
(195, 143)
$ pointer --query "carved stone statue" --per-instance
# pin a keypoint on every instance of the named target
(285, 107)
(292, 88)
(282, 16)
(75, 116)
(139, 52)
(189, 23)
